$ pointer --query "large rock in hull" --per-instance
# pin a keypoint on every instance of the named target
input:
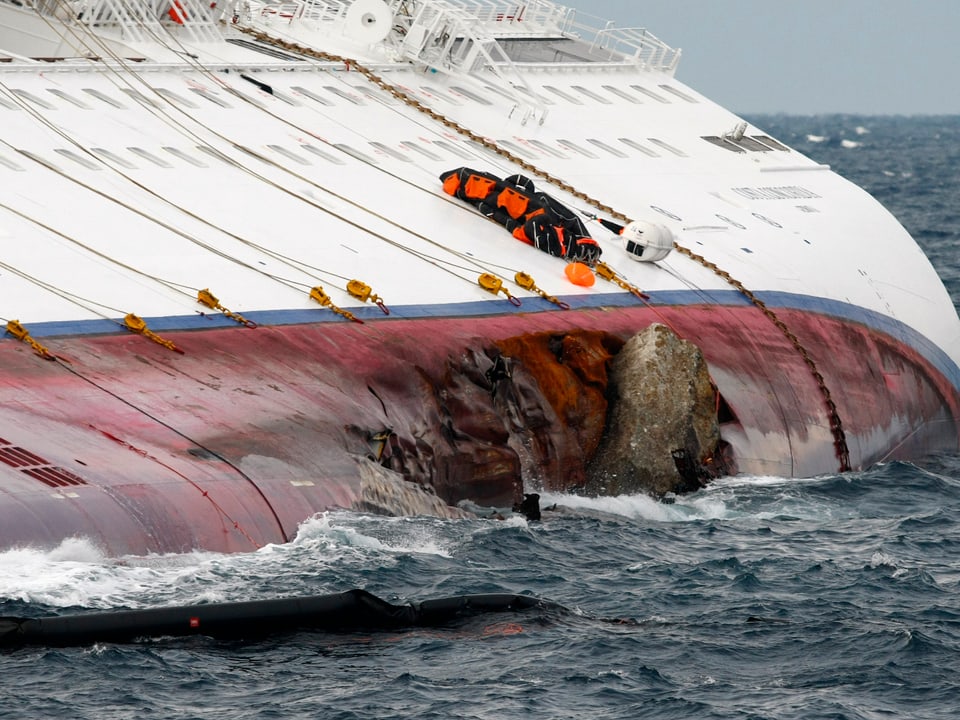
(662, 424)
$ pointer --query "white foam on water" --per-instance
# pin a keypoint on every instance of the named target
(883, 561)
(742, 497)
(395, 535)
(514, 521)
(641, 506)
(880, 559)
(757, 481)
(322, 530)
(476, 529)
(77, 573)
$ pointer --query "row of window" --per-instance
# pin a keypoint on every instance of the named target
(424, 92)
(436, 150)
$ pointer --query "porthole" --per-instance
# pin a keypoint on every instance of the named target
(114, 158)
(470, 94)
(666, 213)
(33, 99)
(678, 93)
(280, 150)
(387, 150)
(10, 164)
(146, 155)
(207, 95)
(603, 146)
(453, 149)
(414, 147)
(543, 147)
(562, 94)
(668, 147)
(349, 97)
(517, 150)
(178, 153)
(569, 145)
(321, 153)
(623, 94)
(372, 95)
(767, 220)
(732, 223)
(79, 159)
(69, 98)
(312, 95)
(352, 152)
(139, 97)
(173, 97)
(591, 94)
(630, 143)
(650, 94)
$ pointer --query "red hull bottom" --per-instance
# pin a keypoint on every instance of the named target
(231, 445)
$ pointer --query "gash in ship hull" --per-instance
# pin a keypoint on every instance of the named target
(238, 293)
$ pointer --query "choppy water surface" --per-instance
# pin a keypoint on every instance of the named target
(834, 597)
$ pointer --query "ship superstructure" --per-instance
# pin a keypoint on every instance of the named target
(234, 286)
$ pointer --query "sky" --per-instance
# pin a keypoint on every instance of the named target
(879, 57)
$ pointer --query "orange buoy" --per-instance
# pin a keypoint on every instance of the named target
(580, 274)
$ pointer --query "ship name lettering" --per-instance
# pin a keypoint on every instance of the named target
(780, 192)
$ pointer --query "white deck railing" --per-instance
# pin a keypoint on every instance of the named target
(479, 19)
(505, 18)
(137, 20)
(640, 44)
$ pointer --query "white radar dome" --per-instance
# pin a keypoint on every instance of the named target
(647, 242)
(368, 21)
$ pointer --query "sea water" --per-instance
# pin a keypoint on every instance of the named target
(758, 597)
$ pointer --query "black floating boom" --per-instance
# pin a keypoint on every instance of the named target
(344, 612)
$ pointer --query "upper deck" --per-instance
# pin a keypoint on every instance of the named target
(442, 33)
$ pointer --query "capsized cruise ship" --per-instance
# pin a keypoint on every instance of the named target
(238, 289)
